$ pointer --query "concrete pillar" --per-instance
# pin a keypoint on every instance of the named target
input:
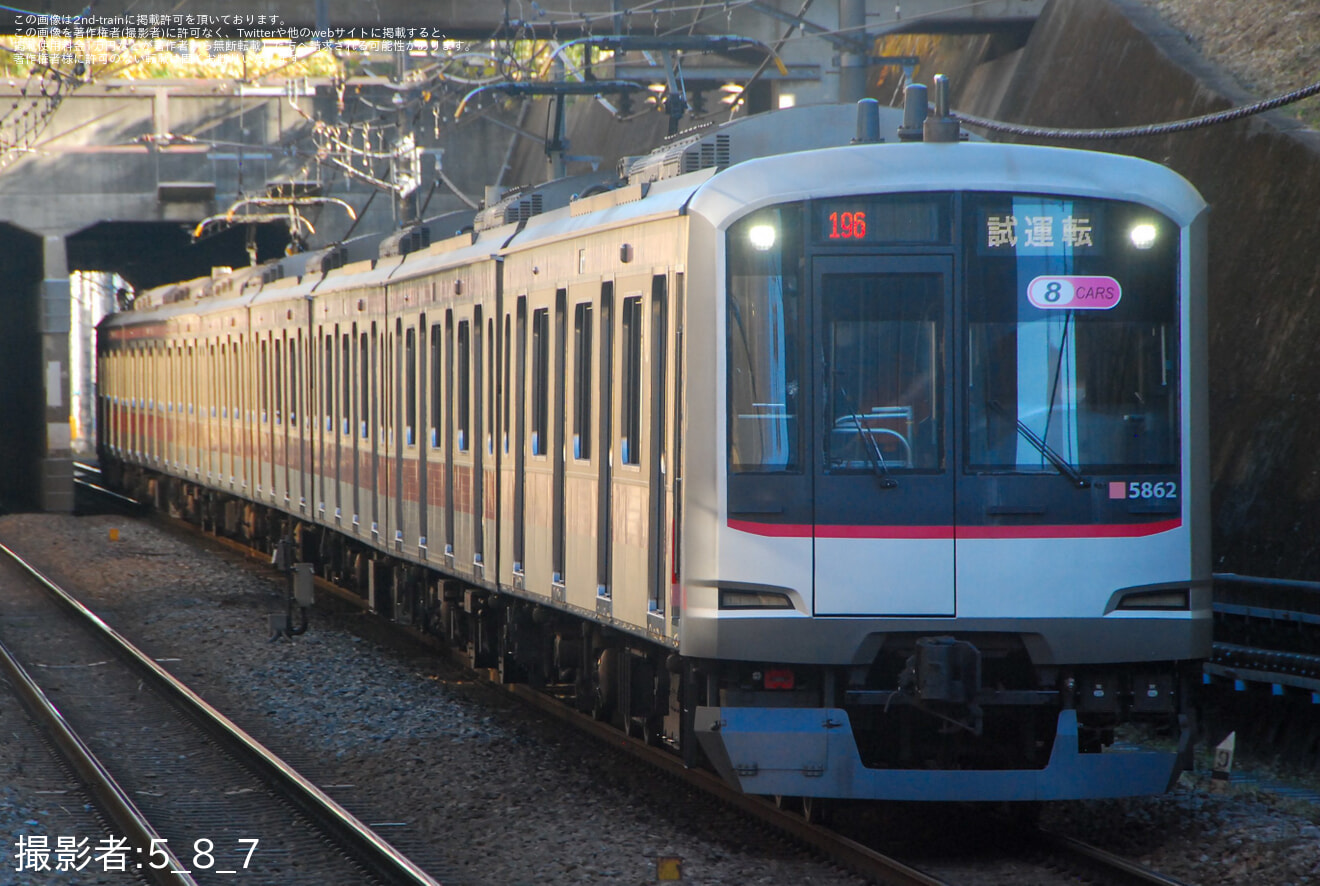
(57, 463)
(852, 65)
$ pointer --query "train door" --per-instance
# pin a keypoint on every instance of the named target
(344, 433)
(437, 454)
(540, 464)
(560, 382)
(490, 461)
(424, 439)
(505, 461)
(362, 429)
(243, 403)
(519, 413)
(657, 521)
(262, 423)
(883, 504)
(676, 453)
(477, 397)
(605, 442)
(402, 426)
(582, 449)
(300, 409)
(451, 435)
(326, 467)
(385, 456)
(224, 394)
(373, 418)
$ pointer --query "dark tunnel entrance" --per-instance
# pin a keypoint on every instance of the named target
(146, 254)
(22, 398)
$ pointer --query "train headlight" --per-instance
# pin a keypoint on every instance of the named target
(1174, 599)
(762, 237)
(1143, 235)
(737, 599)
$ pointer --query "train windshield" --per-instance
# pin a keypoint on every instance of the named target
(766, 321)
(1072, 335)
(839, 338)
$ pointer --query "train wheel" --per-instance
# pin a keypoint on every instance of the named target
(816, 810)
(604, 688)
(653, 731)
(1024, 815)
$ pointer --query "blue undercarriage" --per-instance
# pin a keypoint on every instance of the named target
(811, 752)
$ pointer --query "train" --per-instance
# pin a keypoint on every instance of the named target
(853, 457)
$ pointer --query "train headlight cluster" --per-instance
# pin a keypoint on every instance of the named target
(762, 237)
(1143, 235)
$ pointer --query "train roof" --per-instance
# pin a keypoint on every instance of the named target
(981, 166)
(718, 172)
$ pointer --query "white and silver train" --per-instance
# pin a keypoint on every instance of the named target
(873, 470)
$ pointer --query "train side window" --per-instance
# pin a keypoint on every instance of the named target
(464, 385)
(328, 396)
(630, 406)
(264, 380)
(364, 386)
(410, 386)
(540, 379)
(373, 375)
(436, 392)
(388, 382)
(582, 381)
(295, 357)
(490, 386)
(277, 376)
(211, 381)
(224, 380)
(346, 386)
(235, 374)
(228, 364)
(508, 350)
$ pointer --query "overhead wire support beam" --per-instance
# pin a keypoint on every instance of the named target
(556, 88)
(839, 41)
(719, 44)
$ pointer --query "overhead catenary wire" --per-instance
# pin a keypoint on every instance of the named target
(1151, 129)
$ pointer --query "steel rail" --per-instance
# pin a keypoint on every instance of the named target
(366, 846)
(1112, 865)
(853, 855)
(111, 799)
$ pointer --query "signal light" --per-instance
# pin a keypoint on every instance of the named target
(779, 678)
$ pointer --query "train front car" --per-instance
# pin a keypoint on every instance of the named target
(958, 488)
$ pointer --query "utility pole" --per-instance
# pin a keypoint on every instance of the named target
(852, 64)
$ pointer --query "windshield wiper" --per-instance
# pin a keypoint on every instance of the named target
(873, 453)
(1044, 448)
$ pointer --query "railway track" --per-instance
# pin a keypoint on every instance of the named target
(192, 798)
(91, 496)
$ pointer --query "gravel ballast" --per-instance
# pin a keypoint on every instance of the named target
(473, 785)
(487, 791)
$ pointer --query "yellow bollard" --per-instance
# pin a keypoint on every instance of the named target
(114, 535)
